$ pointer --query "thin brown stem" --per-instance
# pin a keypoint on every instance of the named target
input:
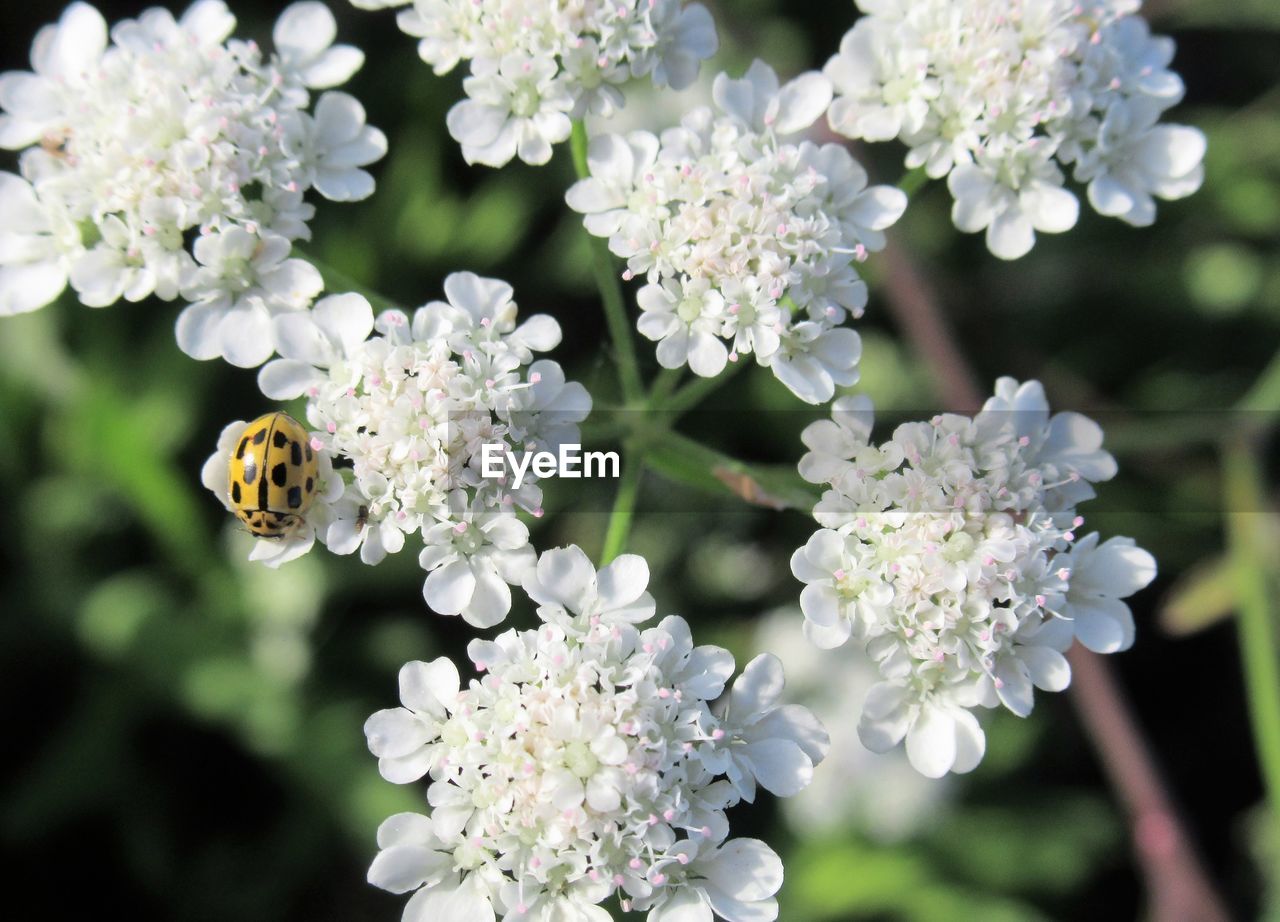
(1179, 889)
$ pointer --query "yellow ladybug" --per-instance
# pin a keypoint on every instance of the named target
(272, 475)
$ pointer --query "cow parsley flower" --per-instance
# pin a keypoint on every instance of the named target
(748, 242)
(407, 405)
(1002, 97)
(949, 553)
(590, 758)
(173, 161)
(536, 66)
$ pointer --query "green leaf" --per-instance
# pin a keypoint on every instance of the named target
(1202, 597)
(680, 458)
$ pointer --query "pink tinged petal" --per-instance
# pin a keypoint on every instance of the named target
(394, 733)
(1103, 625)
(29, 287)
(622, 582)
(474, 124)
(246, 335)
(449, 589)
(885, 717)
(402, 868)
(429, 688)
(1010, 235)
(688, 904)
(1047, 667)
(76, 45)
(931, 742)
(801, 102)
(285, 379)
(347, 319)
(467, 902)
(799, 724)
(971, 742)
(744, 869)
(490, 602)
(197, 329)
(780, 765)
(758, 688)
(405, 829)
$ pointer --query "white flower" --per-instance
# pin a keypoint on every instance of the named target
(1000, 98)
(412, 402)
(947, 553)
(534, 65)
(173, 162)
(275, 551)
(586, 761)
(748, 241)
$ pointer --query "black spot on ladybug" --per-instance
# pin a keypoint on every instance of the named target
(260, 436)
(280, 516)
(244, 443)
(295, 454)
(250, 471)
(295, 497)
(280, 440)
(311, 484)
(235, 493)
(309, 453)
(280, 474)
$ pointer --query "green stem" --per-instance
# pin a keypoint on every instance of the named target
(913, 181)
(336, 281)
(698, 389)
(603, 268)
(624, 505)
(1257, 628)
(663, 386)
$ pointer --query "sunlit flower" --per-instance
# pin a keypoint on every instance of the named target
(173, 161)
(748, 241)
(409, 404)
(587, 760)
(1002, 96)
(535, 66)
(949, 552)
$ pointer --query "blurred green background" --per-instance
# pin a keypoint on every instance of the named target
(181, 748)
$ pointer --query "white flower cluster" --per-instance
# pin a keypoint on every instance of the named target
(748, 243)
(410, 402)
(535, 66)
(1002, 94)
(588, 761)
(172, 162)
(949, 552)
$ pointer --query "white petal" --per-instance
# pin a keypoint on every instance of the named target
(931, 742)
(801, 102)
(394, 733)
(780, 766)
(448, 590)
(429, 688)
(758, 688)
(744, 869)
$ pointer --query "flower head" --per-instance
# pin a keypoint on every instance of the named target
(1001, 98)
(412, 404)
(173, 161)
(747, 241)
(949, 552)
(587, 761)
(535, 66)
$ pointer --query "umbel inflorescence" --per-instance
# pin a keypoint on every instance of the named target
(1002, 96)
(171, 161)
(748, 241)
(593, 757)
(535, 66)
(950, 553)
(406, 404)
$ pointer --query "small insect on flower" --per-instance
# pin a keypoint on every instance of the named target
(272, 475)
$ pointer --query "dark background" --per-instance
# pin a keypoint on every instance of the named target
(184, 729)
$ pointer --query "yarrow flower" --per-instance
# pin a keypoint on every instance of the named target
(175, 162)
(407, 405)
(748, 242)
(949, 552)
(535, 66)
(593, 757)
(1001, 96)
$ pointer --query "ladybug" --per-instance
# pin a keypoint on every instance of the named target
(272, 475)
